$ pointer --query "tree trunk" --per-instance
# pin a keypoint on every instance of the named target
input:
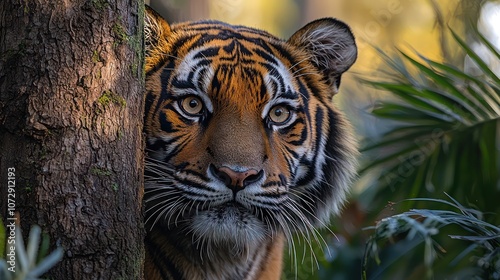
(71, 111)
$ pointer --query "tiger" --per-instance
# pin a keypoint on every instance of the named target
(244, 147)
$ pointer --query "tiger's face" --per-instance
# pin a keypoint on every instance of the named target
(243, 142)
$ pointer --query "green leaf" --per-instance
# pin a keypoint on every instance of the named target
(488, 44)
(387, 158)
(480, 63)
(389, 141)
(484, 86)
(413, 96)
(447, 84)
(406, 113)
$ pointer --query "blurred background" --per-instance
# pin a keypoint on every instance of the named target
(424, 99)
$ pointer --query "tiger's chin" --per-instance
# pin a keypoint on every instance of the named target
(229, 225)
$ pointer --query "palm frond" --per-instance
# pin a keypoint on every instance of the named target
(446, 132)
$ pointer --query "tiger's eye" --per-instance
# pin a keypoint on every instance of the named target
(279, 114)
(192, 105)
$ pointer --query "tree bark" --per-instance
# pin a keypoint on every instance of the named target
(71, 111)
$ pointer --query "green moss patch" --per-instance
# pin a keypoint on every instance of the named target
(109, 97)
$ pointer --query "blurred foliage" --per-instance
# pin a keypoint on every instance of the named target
(480, 255)
(444, 137)
(30, 261)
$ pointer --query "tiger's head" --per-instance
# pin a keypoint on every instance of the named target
(243, 141)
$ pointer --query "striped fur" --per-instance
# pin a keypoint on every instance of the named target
(221, 96)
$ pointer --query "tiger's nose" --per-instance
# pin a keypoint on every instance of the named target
(236, 180)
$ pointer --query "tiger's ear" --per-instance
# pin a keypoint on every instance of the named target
(331, 45)
(156, 29)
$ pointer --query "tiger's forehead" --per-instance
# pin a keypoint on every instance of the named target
(227, 65)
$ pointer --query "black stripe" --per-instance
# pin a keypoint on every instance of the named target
(265, 45)
(214, 25)
(304, 92)
(289, 94)
(199, 83)
(282, 53)
(167, 268)
(272, 184)
(195, 185)
(192, 193)
(181, 84)
(320, 115)
(272, 71)
(332, 149)
(196, 174)
(265, 55)
(251, 73)
(157, 100)
(311, 174)
(230, 48)
(292, 152)
(207, 53)
(178, 147)
(165, 125)
(149, 100)
(269, 195)
(156, 146)
(302, 136)
(263, 91)
(282, 179)
(177, 45)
